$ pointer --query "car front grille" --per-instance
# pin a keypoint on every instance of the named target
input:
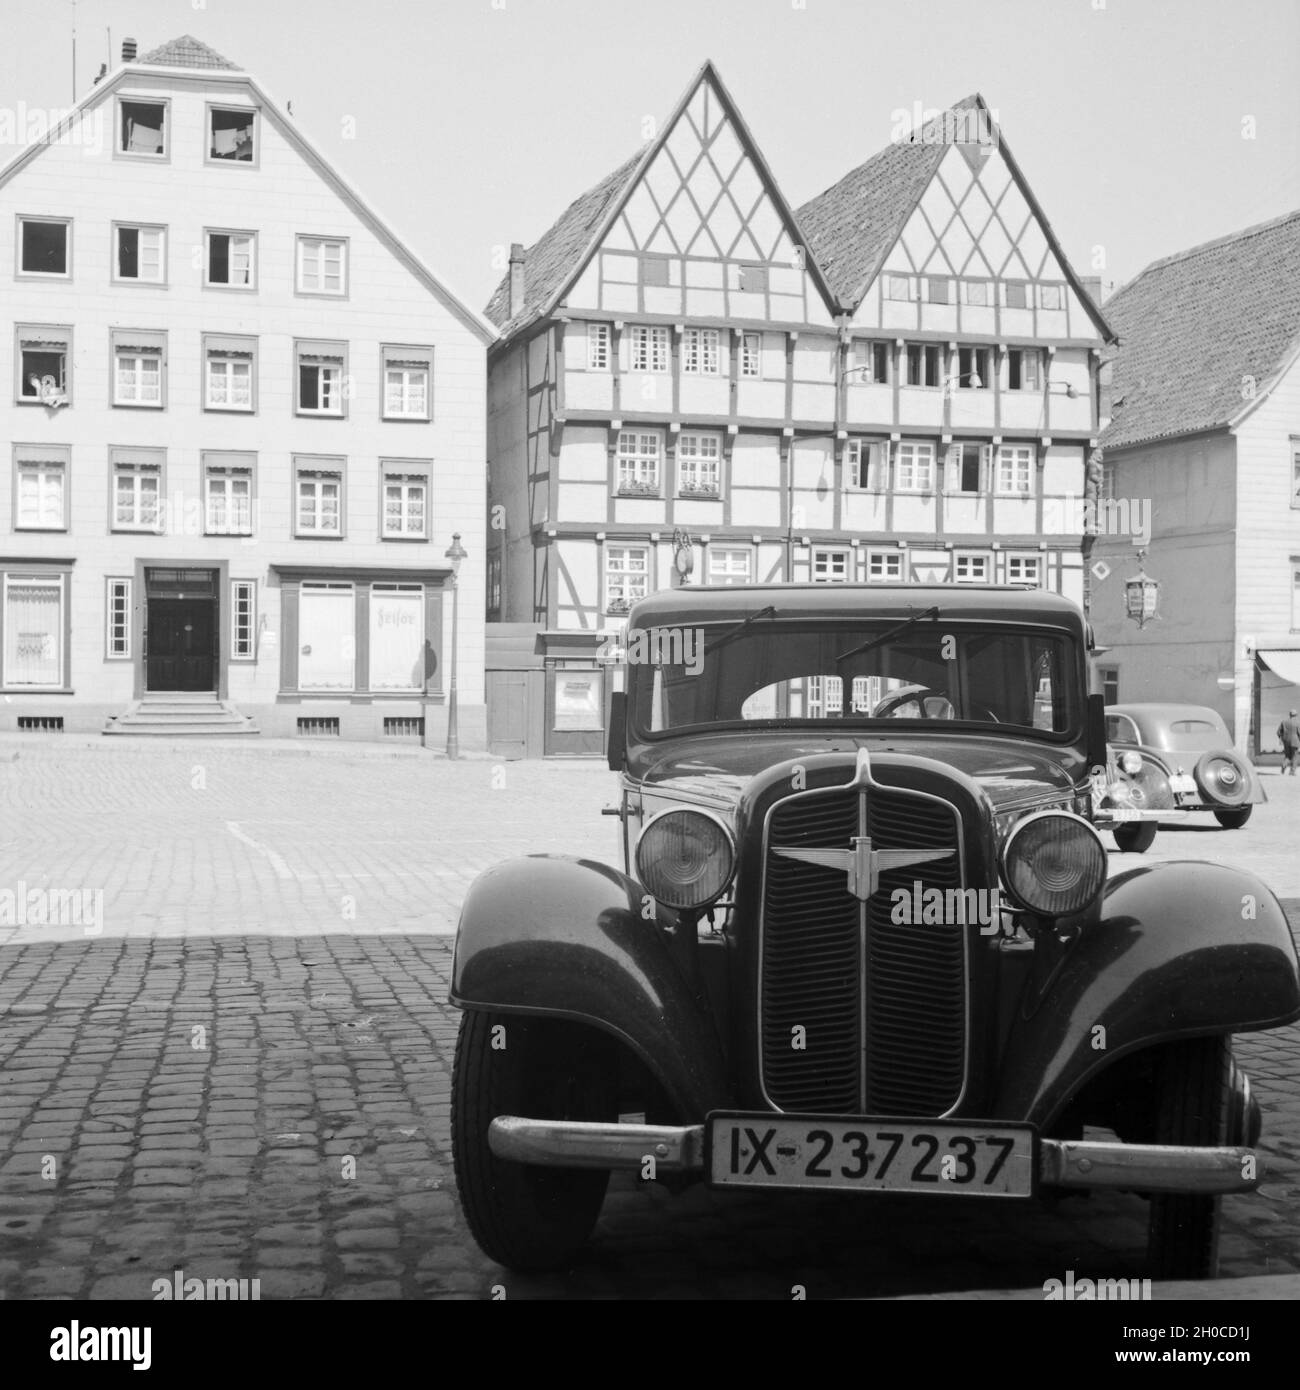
(859, 1015)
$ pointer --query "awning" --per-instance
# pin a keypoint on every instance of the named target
(1284, 662)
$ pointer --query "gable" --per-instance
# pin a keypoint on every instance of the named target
(703, 206)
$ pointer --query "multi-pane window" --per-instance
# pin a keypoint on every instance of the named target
(751, 354)
(228, 499)
(1016, 468)
(698, 463)
(924, 364)
(649, 348)
(406, 498)
(494, 586)
(1024, 369)
(322, 266)
(914, 466)
(1017, 293)
(830, 566)
(1051, 297)
(408, 375)
(243, 619)
(598, 347)
(117, 619)
(1109, 677)
(627, 575)
(870, 363)
(139, 254)
(231, 135)
(138, 367)
(230, 373)
(44, 246)
(730, 565)
(972, 369)
(318, 499)
(137, 495)
(898, 287)
(970, 568)
(701, 352)
(967, 467)
(885, 566)
(1108, 470)
(142, 128)
(41, 487)
(34, 626)
(639, 455)
(44, 358)
(320, 378)
(1025, 569)
(231, 260)
(862, 458)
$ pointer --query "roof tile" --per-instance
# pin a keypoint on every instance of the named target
(186, 52)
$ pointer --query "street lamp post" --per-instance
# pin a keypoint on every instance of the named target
(455, 553)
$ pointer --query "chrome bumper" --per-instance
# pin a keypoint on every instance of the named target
(1061, 1162)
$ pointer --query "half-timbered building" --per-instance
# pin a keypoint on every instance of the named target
(695, 383)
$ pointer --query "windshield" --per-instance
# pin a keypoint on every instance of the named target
(778, 674)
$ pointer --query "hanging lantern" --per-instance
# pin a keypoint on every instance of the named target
(1142, 595)
(683, 555)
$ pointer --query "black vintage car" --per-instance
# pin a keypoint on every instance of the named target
(862, 939)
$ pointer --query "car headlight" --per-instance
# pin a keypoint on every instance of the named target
(1054, 863)
(685, 858)
(1131, 763)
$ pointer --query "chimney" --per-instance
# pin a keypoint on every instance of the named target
(1096, 291)
(516, 278)
(129, 50)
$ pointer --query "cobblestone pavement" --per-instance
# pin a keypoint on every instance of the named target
(235, 1080)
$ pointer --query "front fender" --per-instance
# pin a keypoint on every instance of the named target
(550, 934)
(1171, 956)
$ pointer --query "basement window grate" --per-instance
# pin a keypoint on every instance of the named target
(404, 726)
(40, 723)
(319, 728)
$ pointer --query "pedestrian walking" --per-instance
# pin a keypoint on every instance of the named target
(1289, 732)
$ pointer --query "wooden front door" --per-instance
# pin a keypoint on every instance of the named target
(182, 644)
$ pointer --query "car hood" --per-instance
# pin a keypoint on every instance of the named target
(1012, 772)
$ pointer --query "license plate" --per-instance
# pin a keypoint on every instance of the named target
(833, 1153)
(1182, 784)
(1122, 813)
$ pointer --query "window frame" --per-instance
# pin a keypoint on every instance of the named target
(211, 350)
(607, 574)
(1059, 287)
(310, 347)
(115, 254)
(406, 357)
(64, 332)
(45, 577)
(830, 552)
(890, 284)
(699, 347)
(408, 472)
(141, 462)
(236, 654)
(929, 352)
(896, 461)
(233, 464)
(853, 469)
(1025, 357)
(599, 343)
(651, 336)
(875, 553)
(966, 284)
(119, 346)
(324, 466)
(751, 355)
(699, 463)
(868, 354)
(725, 576)
(627, 486)
(111, 621)
(345, 269)
(985, 560)
(942, 280)
(954, 468)
(21, 220)
(58, 457)
(1024, 557)
(253, 268)
(1017, 447)
(974, 353)
(1023, 288)
(162, 156)
(211, 108)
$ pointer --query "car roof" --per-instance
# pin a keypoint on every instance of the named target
(1002, 603)
(1166, 713)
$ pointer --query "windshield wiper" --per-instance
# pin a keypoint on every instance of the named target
(735, 632)
(889, 636)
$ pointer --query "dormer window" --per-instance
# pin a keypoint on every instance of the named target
(142, 128)
(231, 135)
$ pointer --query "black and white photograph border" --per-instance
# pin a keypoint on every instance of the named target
(606, 603)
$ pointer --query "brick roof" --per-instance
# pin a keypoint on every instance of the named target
(1195, 326)
(852, 226)
(186, 52)
(551, 259)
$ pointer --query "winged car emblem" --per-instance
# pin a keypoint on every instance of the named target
(863, 864)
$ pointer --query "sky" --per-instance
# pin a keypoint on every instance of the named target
(1143, 126)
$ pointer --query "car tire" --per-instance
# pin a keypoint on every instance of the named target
(1194, 1105)
(526, 1217)
(1135, 839)
(1233, 820)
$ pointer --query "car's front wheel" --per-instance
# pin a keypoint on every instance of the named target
(1137, 838)
(526, 1217)
(1233, 820)
(1193, 1097)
